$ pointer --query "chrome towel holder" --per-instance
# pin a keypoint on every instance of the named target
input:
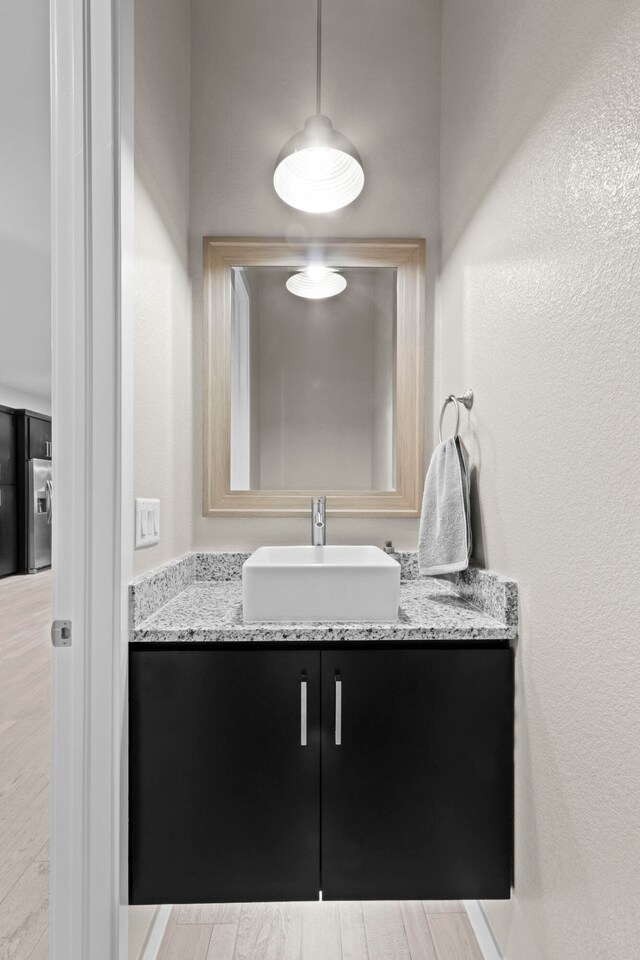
(466, 400)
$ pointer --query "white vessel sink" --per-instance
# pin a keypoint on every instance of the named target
(320, 584)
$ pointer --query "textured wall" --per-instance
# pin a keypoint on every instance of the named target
(162, 294)
(25, 201)
(539, 308)
(253, 85)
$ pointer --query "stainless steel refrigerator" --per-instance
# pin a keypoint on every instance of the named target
(39, 514)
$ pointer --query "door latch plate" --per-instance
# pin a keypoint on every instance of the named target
(61, 633)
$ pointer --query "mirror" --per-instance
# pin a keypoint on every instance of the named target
(312, 382)
(313, 393)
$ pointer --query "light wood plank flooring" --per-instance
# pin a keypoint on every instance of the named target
(25, 671)
(385, 930)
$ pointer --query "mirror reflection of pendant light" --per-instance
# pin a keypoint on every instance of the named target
(316, 283)
(318, 169)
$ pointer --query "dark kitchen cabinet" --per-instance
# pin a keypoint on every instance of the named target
(7, 446)
(39, 438)
(224, 797)
(8, 530)
(8, 493)
(33, 436)
(402, 791)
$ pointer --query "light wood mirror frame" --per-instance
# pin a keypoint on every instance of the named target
(408, 258)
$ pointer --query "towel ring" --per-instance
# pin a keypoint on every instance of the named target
(466, 400)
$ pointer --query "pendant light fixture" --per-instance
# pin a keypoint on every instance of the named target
(316, 282)
(318, 169)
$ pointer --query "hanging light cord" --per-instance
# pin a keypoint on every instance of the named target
(318, 56)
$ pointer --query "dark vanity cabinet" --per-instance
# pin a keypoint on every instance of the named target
(224, 799)
(274, 774)
(417, 796)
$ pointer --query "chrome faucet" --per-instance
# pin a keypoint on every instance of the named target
(319, 521)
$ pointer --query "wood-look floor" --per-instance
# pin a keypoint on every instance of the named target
(385, 930)
(25, 671)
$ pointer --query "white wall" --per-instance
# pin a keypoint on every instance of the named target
(18, 399)
(25, 198)
(539, 308)
(162, 295)
(141, 919)
(253, 85)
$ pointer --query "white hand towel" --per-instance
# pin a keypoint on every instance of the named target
(444, 543)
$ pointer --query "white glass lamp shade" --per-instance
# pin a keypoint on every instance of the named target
(319, 169)
(316, 283)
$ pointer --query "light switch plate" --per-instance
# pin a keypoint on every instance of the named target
(147, 522)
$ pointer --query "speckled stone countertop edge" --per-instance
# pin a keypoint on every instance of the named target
(324, 633)
(491, 593)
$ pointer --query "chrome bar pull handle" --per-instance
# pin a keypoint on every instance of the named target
(303, 710)
(338, 736)
(49, 501)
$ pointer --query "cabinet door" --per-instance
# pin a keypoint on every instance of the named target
(39, 439)
(224, 797)
(417, 796)
(7, 448)
(8, 530)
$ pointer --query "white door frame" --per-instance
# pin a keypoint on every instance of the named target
(92, 214)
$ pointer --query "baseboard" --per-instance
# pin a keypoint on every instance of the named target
(154, 940)
(482, 930)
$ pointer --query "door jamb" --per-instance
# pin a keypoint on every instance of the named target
(92, 214)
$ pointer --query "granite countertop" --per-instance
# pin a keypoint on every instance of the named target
(202, 602)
